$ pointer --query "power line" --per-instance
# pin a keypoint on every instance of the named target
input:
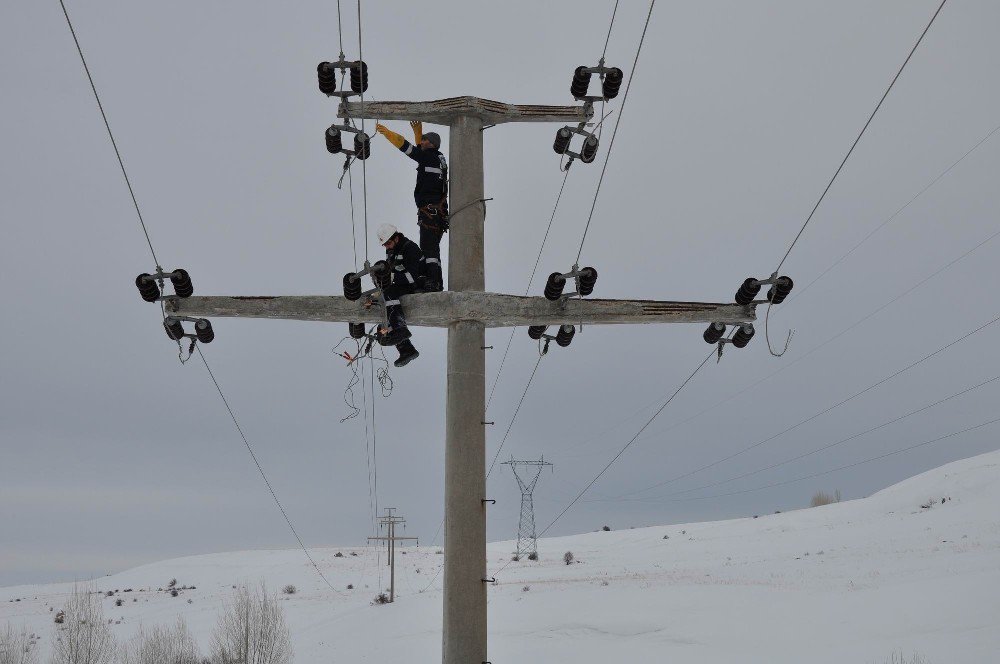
(111, 135)
(891, 217)
(621, 112)
(822, 412)
(629, 443)
(364, 170)
(262, 474)
(527, 289)
(816, 348)
(838, 442)
(862, 133)
(767, 315)
(844, 467)
(620, 452)
(514, 416)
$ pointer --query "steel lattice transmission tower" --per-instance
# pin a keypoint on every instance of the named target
(527, 540)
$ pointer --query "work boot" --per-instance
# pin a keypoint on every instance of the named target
(435, 279)
(394, 336)
(407, 353)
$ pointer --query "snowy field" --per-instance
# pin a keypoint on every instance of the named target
(850, 582)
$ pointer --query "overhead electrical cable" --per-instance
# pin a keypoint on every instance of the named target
(614, 133)
(840, 168)
(824, 411)
(527, 289)
(622, 450)
(715, 406)
(828, 446)
(514, 416)
(895, 214)
(114, 143)
(844, 467)
(263, 475)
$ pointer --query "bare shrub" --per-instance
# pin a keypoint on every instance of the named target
(162, 645)
(900, 658)
(381, 598)
(251, 629)
(606, 529)
(289, 589)
(17, 647)
(525, 589)
(173, 582)
(822, 498)
(533, 555)
(84, 636)
(568, 557)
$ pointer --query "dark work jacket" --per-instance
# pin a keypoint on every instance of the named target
(432, 173)
(406, 262)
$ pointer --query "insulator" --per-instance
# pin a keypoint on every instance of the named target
(174, 328)
(182, 283)
(356, 330)
(748, 291)
(203, 330)
(327, 75)
(536, 331)
(381, 275)
(334, 142)
(352, 286)
(581, 81)
(588, 277)
(554, 286)
(563, 137)
(780, 290)
(565, 335)
(714, 332)
(362, 146)
(743, 335)
(148, 289)
(589, 150)
(612, 83)
(359, 78)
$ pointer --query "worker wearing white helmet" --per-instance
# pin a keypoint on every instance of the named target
(430, 194)
(405, 262)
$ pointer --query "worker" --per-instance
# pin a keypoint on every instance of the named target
(405, 263)
(430, 194)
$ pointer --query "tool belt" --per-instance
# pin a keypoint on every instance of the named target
(434, 216)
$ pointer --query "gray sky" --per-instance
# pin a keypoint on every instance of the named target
(112, 454)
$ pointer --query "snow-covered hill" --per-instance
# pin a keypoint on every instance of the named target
(913, 568)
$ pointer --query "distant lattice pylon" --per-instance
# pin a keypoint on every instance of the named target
(527, 541)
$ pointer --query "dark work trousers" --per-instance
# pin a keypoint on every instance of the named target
(430, 244)
(394, 312)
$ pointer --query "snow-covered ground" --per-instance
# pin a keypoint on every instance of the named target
(849, 582)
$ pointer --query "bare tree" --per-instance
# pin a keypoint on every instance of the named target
(16, 647)
(84, 636)
(162, 645)
(252, 630)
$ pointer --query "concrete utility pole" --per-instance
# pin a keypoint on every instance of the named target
(527, 540)
(390, 520)
(467, 310)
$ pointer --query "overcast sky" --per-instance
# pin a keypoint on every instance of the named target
(112, 454)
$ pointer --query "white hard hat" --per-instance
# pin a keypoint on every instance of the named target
(386, 231)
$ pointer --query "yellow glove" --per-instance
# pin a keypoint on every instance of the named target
(418, 131)
(393, 137)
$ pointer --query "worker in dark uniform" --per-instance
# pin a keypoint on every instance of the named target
(430, 194)
(405, 263)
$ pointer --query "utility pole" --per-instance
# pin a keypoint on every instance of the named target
(390, 520)
(527, 541)
(466, 309)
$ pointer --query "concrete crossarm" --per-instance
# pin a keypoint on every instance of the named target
(443, 111)
(441, 309)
